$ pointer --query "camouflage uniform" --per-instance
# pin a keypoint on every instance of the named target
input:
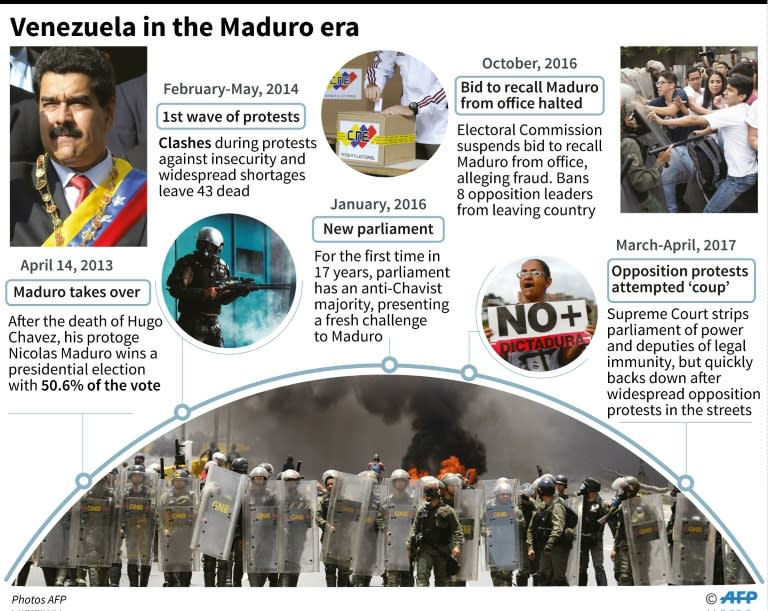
(622, 565)
(435, 532)
(592, 540)
(547, 538)
(528, 567)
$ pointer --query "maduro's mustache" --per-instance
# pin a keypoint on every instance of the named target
(64, 130)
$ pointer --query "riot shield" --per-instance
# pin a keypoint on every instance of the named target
(501, 527)
(399, 511)
(576, 503)
(644, 523)
(177, 505)
(468, 508)
(734, 571)
(345, 512)
(368, 555)
(260, 527)
(693, 545)
(297, 530)
(137, 493)
(95, 518)
(219, 511)
(59, 546)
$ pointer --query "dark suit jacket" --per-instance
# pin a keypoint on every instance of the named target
(128, 136)
(25, 126)
(30, 223)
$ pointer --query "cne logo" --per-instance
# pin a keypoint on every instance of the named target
(360, 135)
(342, 80)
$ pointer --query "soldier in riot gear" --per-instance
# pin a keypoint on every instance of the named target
(97, 516)
(197, 282)
(561, 483)
(501, 530)
(138, 526)
(238, 465)
(547, 538)
(593, 510)
(216, 571)
(365, 559)
(528, 566)
(399, 505)
(260, 496)
(177, 515)
(626, 488)
(435, 536)
(296, 525)
(335, 575)
(453, 483)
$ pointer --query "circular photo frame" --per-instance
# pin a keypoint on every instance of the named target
(538, 314)
(229, 281)
(384, 113)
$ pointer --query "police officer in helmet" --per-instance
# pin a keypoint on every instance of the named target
(197, 282)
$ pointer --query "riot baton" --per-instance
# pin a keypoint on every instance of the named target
(659, 148)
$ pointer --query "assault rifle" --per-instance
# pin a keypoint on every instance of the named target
(243, 286)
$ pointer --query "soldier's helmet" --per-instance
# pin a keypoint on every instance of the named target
(219, 457)
(453, 479)
(562, 479)
(634, 485)
(240, 465)
(502, 488)
(290, 475)
(527, 491)
(400, 474)
(267, 466)
(136, 471)
(431, 486)
(626, 487)
(330, 473)
(209, 242)
(546, 486)
(181, 474)
(258, 472)
(590, 484)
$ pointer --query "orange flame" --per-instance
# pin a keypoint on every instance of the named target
(415, 473)
(452, 464)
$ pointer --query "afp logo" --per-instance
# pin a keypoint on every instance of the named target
(738, 596)
(360, 135)
(342, 80)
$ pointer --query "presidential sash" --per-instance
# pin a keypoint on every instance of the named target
(127, 205)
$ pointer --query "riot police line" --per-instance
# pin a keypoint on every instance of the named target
(243, 523)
